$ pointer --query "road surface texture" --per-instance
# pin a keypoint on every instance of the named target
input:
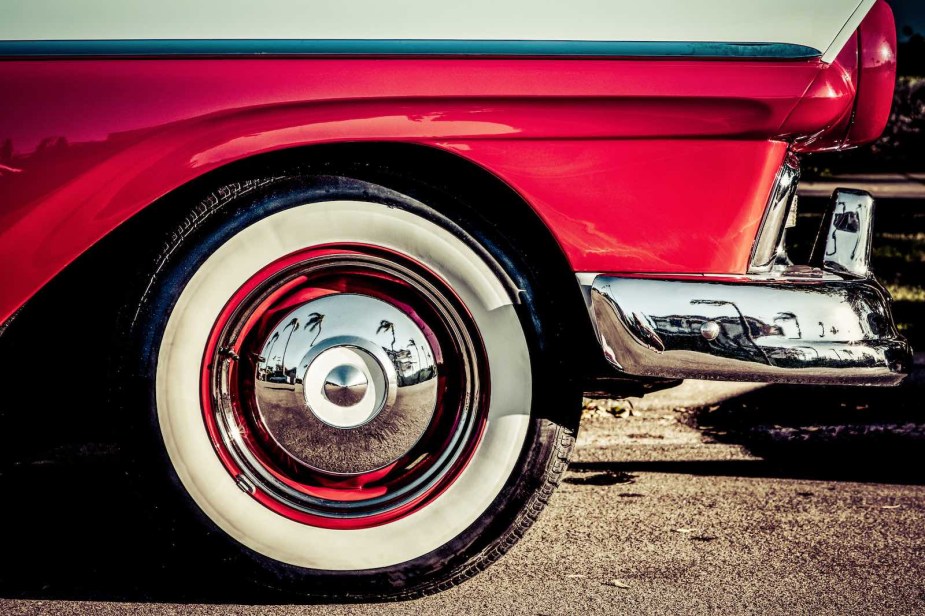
(704, 499)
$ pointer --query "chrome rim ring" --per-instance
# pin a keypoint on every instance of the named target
(344, 386)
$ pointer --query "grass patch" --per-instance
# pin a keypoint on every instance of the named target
(903, 293)
(906, 247)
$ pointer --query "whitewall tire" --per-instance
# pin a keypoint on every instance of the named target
(344, 387)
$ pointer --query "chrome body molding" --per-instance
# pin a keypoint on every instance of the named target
(402, 48)
(768, 250)
(787, 330)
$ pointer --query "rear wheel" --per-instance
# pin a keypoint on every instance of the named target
(340, 382)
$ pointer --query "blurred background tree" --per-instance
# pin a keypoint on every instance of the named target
(901, 149)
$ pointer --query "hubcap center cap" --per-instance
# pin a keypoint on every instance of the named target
(345, 385)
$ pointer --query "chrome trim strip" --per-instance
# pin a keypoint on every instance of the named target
(788, 330)
(402, 47)
(769, 245)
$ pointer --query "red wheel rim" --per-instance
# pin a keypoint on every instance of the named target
(361, 452)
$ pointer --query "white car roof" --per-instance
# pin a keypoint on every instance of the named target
(819, 26)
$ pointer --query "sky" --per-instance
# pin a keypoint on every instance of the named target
(909, 13)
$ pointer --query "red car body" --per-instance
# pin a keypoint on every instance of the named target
(635, 165)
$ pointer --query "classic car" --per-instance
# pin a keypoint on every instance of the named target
(348, 267)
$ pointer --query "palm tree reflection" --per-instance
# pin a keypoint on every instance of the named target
(272, 342)
(313, 324)
(412, 343)
(291, 326)
(401, 358)
(387, 326)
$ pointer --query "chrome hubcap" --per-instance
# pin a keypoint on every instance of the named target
(343, 387)
(353, 387)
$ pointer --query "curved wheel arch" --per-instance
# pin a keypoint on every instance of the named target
(416, 170)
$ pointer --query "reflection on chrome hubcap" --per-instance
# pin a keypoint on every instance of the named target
(345, 385)
(383, 395)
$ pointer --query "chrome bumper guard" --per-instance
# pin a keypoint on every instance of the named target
(801, 324)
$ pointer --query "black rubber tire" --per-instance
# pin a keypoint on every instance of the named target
(203, 226)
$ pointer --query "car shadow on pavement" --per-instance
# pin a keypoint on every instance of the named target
(74, 531)
(825, 433)
(76, 528)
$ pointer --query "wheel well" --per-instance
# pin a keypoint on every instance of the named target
(409, 168)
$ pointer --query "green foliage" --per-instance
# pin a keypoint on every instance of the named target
(900, 149)
(906, 294)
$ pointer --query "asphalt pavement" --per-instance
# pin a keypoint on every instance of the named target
(705, 499)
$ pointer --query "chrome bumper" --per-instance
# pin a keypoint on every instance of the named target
(798, 325)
